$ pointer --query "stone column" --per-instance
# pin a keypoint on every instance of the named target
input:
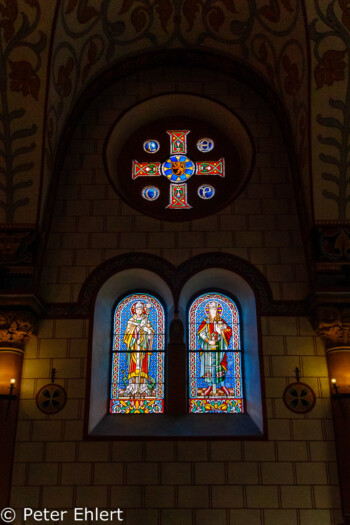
(333, 326)
(16, 327)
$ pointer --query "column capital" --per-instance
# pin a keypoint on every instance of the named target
(16, 327)
(332, 324)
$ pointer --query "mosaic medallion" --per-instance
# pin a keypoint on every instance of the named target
(299, 398)
(51, 399)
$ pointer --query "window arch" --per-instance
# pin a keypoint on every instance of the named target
(175, 421)
(137, 382)
(215, 364)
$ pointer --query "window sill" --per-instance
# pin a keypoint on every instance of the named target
(140, 426)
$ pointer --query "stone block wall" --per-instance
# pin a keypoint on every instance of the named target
(92, 224)
(289, 479)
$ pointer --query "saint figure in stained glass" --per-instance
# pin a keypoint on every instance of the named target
(214, 338)
(137, 383)
(138, 338)
(215, 355)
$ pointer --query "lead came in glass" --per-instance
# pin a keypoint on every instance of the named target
(178, 169)
(150, 193)
(137, 382)
(206, 191)
(214, 356)
(204, 145)
(151, 146)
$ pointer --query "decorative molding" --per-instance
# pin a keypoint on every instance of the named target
(16, 328)
(176, 277)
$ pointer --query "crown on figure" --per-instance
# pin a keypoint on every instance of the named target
(213, 304)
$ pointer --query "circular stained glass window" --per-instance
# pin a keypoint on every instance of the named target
(170, 169)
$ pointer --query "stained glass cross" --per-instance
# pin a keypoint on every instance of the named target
(177, 168)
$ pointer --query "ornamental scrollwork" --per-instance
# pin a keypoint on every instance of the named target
(332, 69)
(20, 64)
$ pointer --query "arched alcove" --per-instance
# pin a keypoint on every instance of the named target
(229, 282)
(116, 286)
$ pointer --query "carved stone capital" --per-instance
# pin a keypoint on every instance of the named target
(332, 324)
(16, 328)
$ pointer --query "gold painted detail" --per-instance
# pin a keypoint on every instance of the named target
(333, 326)
(16, 328)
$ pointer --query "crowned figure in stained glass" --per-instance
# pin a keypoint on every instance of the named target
(137, 382)
(138, 338)
(214, 338)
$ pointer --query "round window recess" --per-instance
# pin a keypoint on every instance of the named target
(180, 179)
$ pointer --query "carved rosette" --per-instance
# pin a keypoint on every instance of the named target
(16, 328)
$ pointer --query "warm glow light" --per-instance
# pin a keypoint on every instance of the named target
(12, 381)
(333, 380)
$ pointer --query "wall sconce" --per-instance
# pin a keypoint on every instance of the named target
(335, 386)
(9, 397)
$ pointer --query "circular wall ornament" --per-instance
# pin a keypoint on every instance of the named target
(200, 143)
(204, 145)
(51, 399)
(151, 146)
(299, 398)
(206, 191)
(150, 193)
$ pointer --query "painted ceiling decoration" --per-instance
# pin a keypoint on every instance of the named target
(330, 37)
(91, 36)
(50, 52)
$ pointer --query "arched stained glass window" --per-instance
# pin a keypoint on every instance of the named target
(215, 363)
(138, 356)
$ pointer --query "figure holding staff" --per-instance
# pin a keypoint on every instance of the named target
(138, 338)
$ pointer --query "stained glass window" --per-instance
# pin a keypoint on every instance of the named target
(215, 363)
(178, 168)
(137, 383)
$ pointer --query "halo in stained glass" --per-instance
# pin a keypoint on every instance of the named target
(178, 168)
(215, 364)
(150, 193)
(151, 146)
(204, 145)
(137, 382)
(206, 191)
